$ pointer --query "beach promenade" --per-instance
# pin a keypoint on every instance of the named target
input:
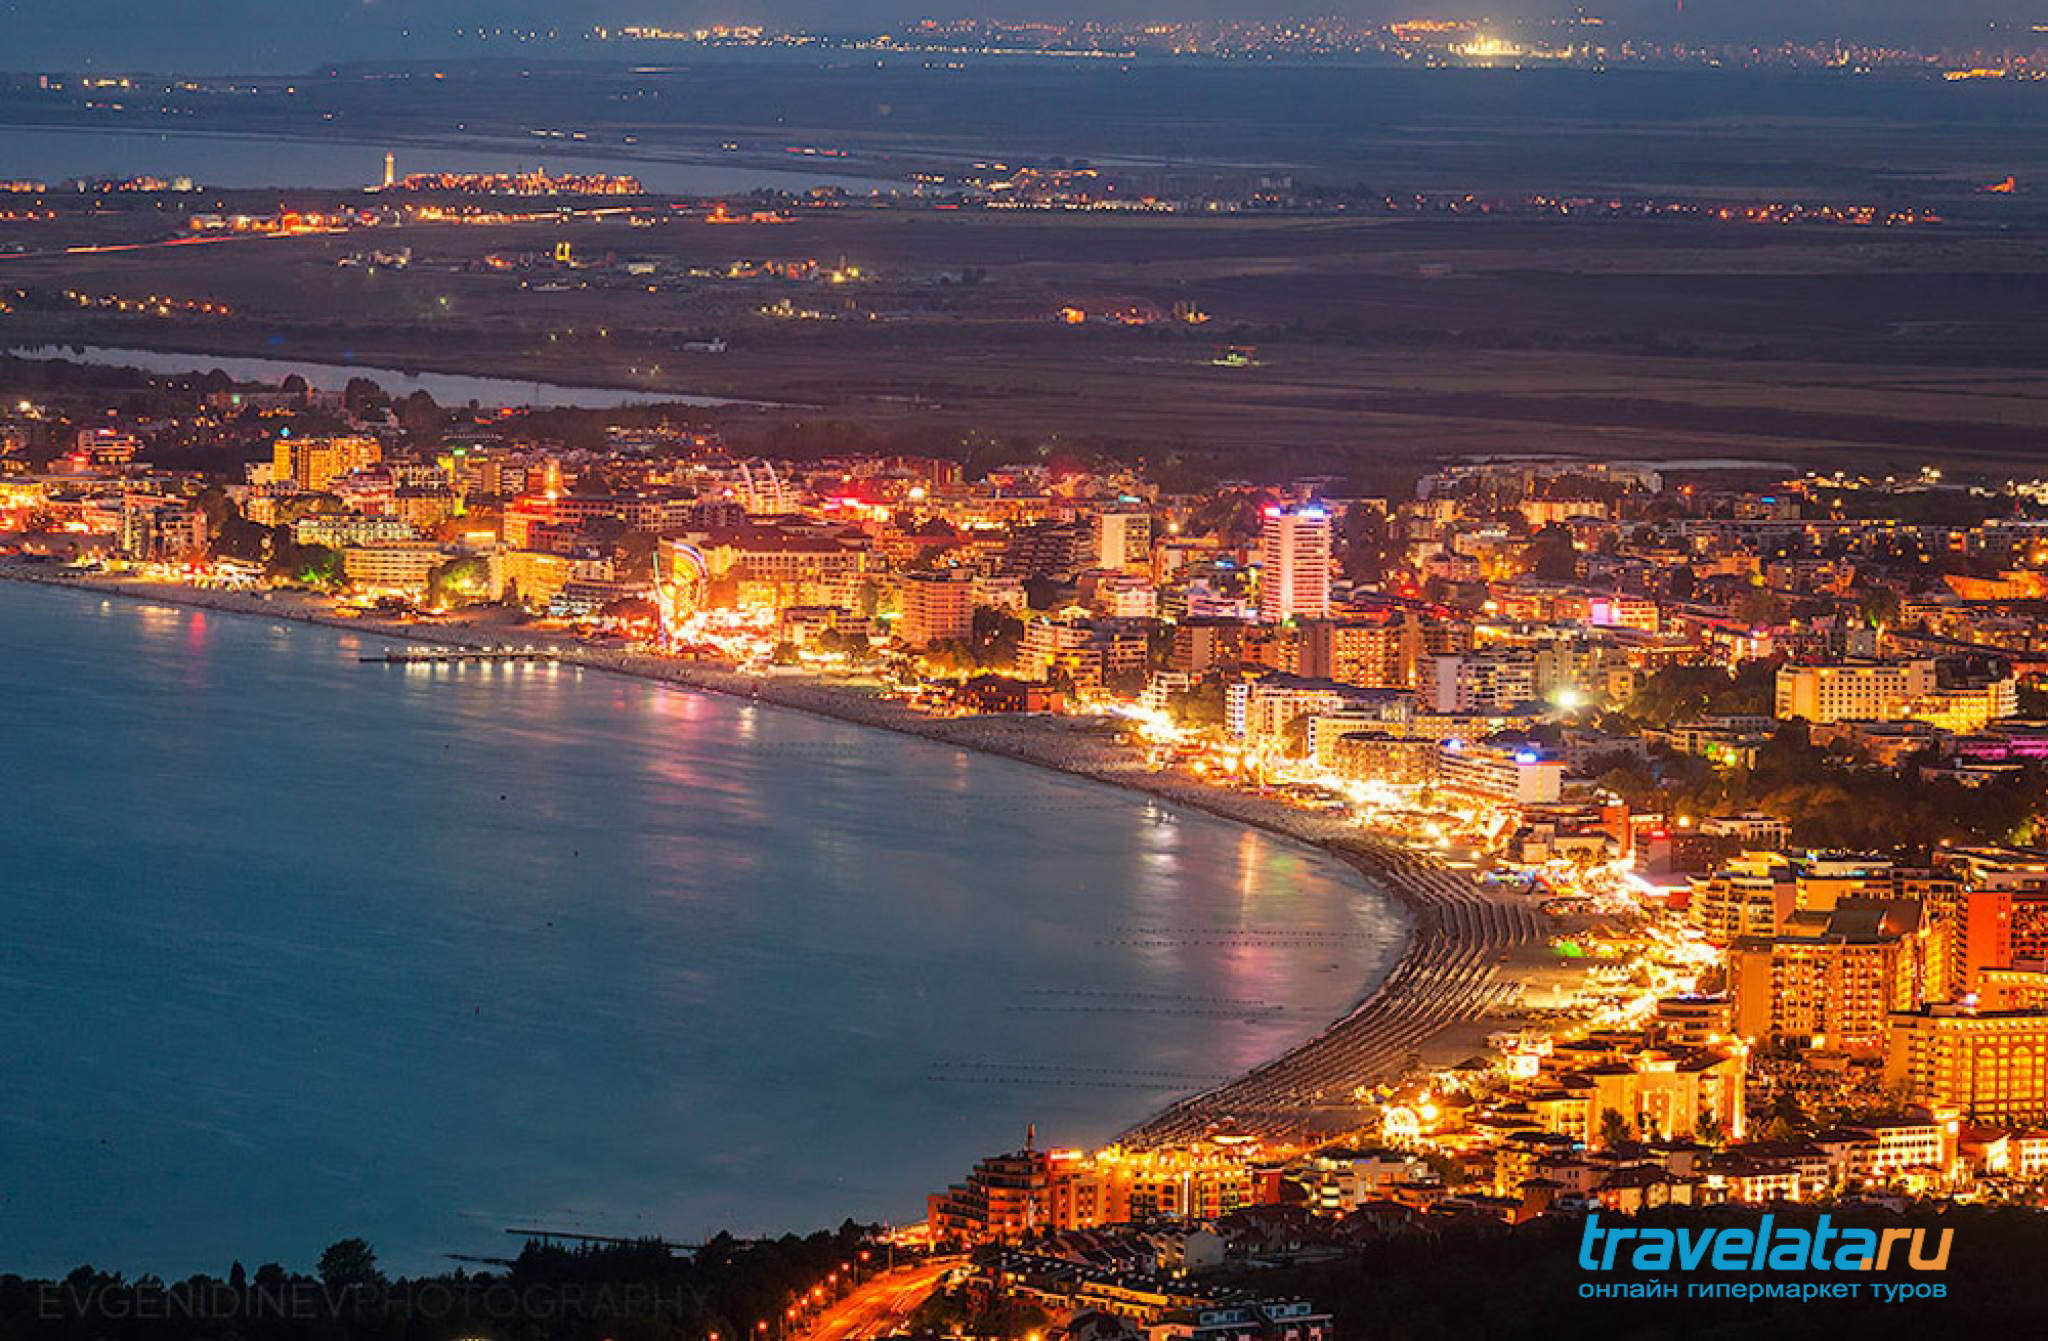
(1460, 966)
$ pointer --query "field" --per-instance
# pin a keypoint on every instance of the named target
(1396, 339)
(1362, 335)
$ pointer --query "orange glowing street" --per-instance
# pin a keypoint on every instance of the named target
(881, 1307)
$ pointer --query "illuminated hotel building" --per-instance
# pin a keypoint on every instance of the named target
(102, 447)
(1294, 564)
(1853, 691)
(1490, 681)
(937, 608)
(1673, 1095)
(161, 530)
(1837, 976)
(1740, 899)
(535, 577)
(1990, 1067)
(313, 463)
(1516, 777)
(1121, 539)
(1007, 1197)
(1362, 651)
(781, 567)
(399, 566)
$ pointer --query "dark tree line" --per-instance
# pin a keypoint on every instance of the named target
(645, 1291)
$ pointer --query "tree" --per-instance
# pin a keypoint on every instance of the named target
(1551, 555)
(461, 581)
(215, 505)
(996, 636)
(1614, 1128)
(1294, 736)
(1879, 607)
(1757, 607)
(1373, 546)
(841, 642)
(363, 397)
(949, 656)
(349, 1264)
(312, 565)
(1197, 707)
(419, 416)
(629, 609)
(239, 538)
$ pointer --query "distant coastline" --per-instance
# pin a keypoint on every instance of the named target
(1466, 946)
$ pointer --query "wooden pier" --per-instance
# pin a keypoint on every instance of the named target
(458, 656)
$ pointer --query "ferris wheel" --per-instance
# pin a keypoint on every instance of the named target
(682, 583)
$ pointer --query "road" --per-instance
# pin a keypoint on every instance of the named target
(882, 1306)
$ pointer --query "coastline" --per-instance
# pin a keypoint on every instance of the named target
(1466, 944)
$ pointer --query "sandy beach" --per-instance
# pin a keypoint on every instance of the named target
(1469, 949)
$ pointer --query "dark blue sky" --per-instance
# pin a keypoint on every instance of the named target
(293, 33)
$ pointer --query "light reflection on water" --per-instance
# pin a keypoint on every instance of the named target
(301, 948)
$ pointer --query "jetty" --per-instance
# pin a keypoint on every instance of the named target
(448, 655)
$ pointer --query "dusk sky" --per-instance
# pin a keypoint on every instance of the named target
(267, 33)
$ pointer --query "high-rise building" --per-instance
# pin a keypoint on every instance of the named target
(1122, 538)
(399, 565)
(103, 447)
(1294, 563)
(1009, 1197)
(162, 530)
(1838, 975)
(937, 608)
(315, 463)
(1362, 651)
(1741, 898)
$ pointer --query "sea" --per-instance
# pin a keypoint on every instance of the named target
(299, 946)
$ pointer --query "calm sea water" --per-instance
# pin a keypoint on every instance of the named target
(297, 948)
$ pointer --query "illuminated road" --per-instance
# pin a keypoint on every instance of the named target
(883, 1306)
(189, 240)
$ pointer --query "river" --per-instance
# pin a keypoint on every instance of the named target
(445, 388)
(300, 948)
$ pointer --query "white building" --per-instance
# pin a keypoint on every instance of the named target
(1121, 539)
(1294, 563)
(1464, 682)
(1518, 777)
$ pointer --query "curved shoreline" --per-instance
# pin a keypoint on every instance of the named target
(1446, 979)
